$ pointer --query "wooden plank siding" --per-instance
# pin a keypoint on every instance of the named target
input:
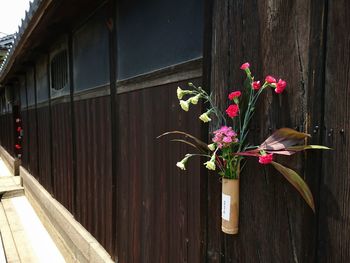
(25, 139)
(334, 212)
(6, 127)
(94, 170)
(158, 205)
(33, 143)
(44, 148)
(62, 165)
(304, 43)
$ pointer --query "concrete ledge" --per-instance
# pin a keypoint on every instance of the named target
(73, 240)
(11, 163)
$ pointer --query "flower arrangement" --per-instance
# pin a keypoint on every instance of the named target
(229, 147)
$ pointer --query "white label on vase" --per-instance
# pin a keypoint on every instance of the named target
(225, 207)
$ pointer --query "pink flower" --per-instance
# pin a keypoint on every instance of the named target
(227, 139)
(234, 94)
(232, 111)
(224, 136)
(280, 86)
(270, 79)
(266, 158)
(256, 85)
(245, 66)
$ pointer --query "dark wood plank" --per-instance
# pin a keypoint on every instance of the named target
(94, 174)
(158, 205)
(334, 220)
(275, 37)
(44, 149)
(62, 166)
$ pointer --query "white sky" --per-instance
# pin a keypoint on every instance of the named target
(11, 13)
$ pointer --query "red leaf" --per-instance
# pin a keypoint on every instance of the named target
(282, 139)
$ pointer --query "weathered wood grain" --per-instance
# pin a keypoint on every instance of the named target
(158, 205)
(280, 38)
(334, 219)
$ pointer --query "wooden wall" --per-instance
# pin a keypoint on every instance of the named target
(305, 43)
(7, 133)
(62, 154)
(94, 168)
(158, 205)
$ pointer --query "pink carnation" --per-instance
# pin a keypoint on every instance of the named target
(256, 85)
(245, 66)
(270, 79)
(234, 94)
(266, 158)
(232, 110)
(280, 86)
(224, 136)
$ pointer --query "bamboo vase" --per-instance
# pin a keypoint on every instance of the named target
(230, 206)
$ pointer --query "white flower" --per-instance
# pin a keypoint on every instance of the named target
(212, 146)
(210, 165)
(205, 117)
(185, 104)
(194, 99)
(180, 93)
(182, 163)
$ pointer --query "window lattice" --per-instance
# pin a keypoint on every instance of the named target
(59, 71)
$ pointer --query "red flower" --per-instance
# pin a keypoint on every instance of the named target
(280, 86)
(270, 79)
(19, 129)
(256, 85)
(234, 94)
(232, 110)
(245, 66)
(18, 146)
(266, 159)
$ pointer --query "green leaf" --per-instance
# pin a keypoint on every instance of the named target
(282, 139)
(307, 147)
(297, 182)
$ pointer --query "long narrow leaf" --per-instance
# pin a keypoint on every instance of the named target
(199, 142)
(283, 138)
(188, 143)
(297, 182)
(307, 147)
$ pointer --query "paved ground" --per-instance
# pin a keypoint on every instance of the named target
(24, 238)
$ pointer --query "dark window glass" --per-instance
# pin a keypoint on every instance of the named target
(30, 87)
(59, 72)
(157, 33)
(42, 89)
(91, 53)
(22, 93)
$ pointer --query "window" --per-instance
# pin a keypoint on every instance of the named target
(30, 87)
(157, 33)
(42, 89)
(59, 70)
(22, 93)
(91, 53)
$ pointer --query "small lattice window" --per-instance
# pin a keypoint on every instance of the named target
(59, 71)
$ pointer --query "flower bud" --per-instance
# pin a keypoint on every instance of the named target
(182, 163)
(185, 105)
(212, 146)
(180, 93)
(205, 117)
(194, 99)
(210, 165)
